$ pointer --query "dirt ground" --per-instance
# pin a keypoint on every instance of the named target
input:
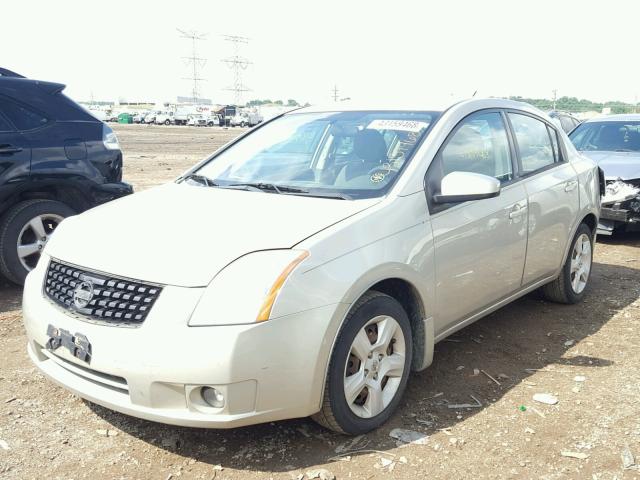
(586, 355)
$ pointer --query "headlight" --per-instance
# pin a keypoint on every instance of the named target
(109, 138)
(245, 290)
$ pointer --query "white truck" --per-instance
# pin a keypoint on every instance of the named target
(246, 119)
(165, 118)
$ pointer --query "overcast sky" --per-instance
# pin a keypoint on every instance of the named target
(393, 49)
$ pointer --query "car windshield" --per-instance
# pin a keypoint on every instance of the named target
(343, 154)
(613, 136)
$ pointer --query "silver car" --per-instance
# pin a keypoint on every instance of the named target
(613, 142)
(307, 267)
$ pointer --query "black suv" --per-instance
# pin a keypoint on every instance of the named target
(56, 160)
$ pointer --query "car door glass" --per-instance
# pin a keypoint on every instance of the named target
(479, 145)
(4, 125)
(23, 118)
(534, 143)
(554, 140)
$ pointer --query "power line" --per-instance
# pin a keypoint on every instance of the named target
(238, 65)
(194, 61)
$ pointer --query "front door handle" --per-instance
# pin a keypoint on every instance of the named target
(517, 211)
(6, 148)
(571, 185)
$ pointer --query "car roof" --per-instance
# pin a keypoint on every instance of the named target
(438, 105)
(621, 117)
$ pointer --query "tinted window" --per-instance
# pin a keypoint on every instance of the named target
(607, 136)
(479, 145)
(23, 118)
(534, 143)
(4, 125)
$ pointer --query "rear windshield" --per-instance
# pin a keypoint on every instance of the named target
(357, 154)
(607, 136)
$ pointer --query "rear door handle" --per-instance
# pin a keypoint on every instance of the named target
(9, 149)
(571, 185)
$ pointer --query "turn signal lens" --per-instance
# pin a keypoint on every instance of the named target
(265, 310)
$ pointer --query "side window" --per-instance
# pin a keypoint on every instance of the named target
(554, 141)
(23, 118)
(479, 145)
(4, 125)
(534, 143)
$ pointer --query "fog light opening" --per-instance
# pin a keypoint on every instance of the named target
(212, 397)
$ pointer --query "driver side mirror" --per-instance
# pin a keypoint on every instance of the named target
(466, 186)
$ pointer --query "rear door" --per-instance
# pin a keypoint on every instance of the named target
(480, 246)
(15, 158)
(552, 192)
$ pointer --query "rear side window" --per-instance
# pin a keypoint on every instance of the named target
(4, 125)
(534, 143)
(22, 117)
(554, 140)
(479, 145)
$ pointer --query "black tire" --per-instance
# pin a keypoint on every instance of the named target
(561, 290)
(336, 414)
(11, 225)
(167, 122)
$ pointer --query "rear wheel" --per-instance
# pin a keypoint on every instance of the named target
(24, 231)
(369, 366)
(571, 284)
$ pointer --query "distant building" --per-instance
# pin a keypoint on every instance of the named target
(195, 100)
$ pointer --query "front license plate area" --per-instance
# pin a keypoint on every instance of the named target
(76, 344)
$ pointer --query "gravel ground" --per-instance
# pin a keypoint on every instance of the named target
(586, 355)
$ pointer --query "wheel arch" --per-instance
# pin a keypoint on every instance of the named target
(70, 195)
(591, 220)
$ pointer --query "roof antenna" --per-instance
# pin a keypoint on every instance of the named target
(474, 94)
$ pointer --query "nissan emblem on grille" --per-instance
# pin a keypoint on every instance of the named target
(82, 294)
(100, 297)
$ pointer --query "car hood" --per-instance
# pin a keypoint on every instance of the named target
(184, 235)
(624, 165)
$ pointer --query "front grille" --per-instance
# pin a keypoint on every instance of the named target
(113, 300)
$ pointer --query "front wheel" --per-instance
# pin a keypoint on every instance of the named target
(369, 366)
(571, 285)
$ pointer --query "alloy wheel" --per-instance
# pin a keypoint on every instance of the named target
(580, 263)
(34, 236)
(374, 367)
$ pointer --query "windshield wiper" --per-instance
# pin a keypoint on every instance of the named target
(201, 179)
(287, 190)
(623, 150)
(335, 195)
(268, 186)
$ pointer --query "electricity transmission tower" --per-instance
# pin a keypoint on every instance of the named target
(335, 93)
(195, 62)
(237, 64)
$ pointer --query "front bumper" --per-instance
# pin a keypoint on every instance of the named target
(625, 214)
(267, 371)
(110, 191)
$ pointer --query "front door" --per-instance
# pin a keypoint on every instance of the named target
(480, 246)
